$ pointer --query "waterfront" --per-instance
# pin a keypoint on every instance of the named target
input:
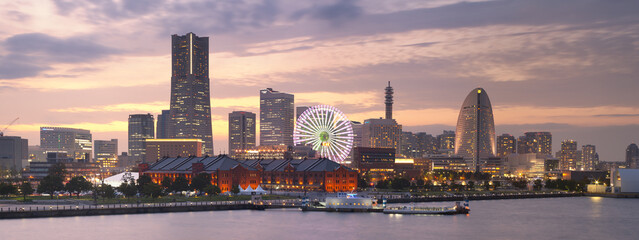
(550, 218)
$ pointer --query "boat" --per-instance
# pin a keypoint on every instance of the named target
(457, 209)
(344, 202)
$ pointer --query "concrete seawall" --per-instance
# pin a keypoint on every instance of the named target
(482, 197)
(113, 209)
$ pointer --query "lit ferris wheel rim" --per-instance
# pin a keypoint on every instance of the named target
(327, 130)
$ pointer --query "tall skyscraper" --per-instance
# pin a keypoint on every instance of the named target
(475, 135)
(241, 131)
(382, 133)
(568, 155)
(276, 117)
(77, 143)
(389, 101)
(190, 94)
(106, 153)
(506, 144)
(141, 128)
(427, 144)
(162, 130)
(589, 157)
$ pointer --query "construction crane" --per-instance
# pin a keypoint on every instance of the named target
(5, 128)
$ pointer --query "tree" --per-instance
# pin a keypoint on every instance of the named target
(7, 189)
(106, 191)
(143, 180)
(400, 183)
(167, 184)
(212, 190)
(180, 184)
(200, 181)
(25, 189)
(537, 185)
(77, 185)
(471, 185)
(51, 184)
(151, 189)
(59, 170)
(235, 189)
(361, 182)
(129, 190)
(382, 184)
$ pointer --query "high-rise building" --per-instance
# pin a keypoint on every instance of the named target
(446, 140)
(381, 133)
(357, 133)
(389, 101)
(276, 117)
(162, 130)
(106, 153)
(141, 128)
(14, 152)
(299, 110)
(410, 145)
(190, 113)
(241, 131)
(77, 143)
(427, 144)
(569, 155)
(535, 142)
(589, 157)
(632, 156)
(475, 135)
(506, 144)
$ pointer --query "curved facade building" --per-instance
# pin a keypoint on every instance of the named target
(475, 135)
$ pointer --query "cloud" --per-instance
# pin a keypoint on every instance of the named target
(30, 54)
(336, 13)
(113, 126)
(153, 107)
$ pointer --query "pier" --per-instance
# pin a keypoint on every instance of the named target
(42, 211)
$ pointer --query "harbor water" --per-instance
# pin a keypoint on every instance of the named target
(548, 218)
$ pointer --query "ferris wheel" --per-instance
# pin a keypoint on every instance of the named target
(327, 130)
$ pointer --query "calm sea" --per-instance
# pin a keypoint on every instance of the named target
(551, 218)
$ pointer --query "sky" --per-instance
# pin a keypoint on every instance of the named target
(569, 67)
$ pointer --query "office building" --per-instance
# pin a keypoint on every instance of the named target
(299, 110)
(157, 149)
(381, 133)
(569, 156)
(632, 156)
(589, 157)
(77, 143)
(14, 153)
(190, 112)
(276, 117)
(446, 140)
(241, 132)
(141, 128)
(535, 142)
(162, 129)
(106, 153)
(475, 134)
(506, 144)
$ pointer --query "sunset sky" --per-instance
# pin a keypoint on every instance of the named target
(570, 67)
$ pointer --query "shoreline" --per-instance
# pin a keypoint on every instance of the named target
(37, 211)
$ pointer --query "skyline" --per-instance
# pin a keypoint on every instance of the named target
(546, 71)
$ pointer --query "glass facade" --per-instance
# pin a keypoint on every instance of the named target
(241, 132)
(277, 116)
(475, 136)
(141, 127)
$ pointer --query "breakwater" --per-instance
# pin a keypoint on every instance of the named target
(142, 208)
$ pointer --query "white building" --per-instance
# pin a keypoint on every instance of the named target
(624, 180)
